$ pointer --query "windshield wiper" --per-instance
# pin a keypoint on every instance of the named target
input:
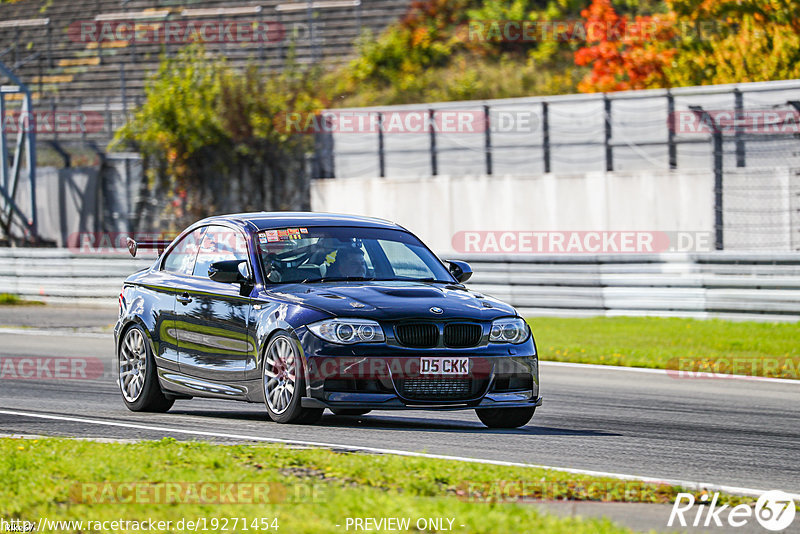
(367, 279)
(337, 279)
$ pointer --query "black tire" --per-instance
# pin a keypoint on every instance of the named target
(505, 417)
(275, 375)
(349, 411)
(140, 389)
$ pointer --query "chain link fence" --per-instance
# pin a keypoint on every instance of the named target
(757, 177)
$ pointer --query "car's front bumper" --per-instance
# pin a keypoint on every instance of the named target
(495, 380)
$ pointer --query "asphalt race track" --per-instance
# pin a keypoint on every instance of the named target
(739, 433)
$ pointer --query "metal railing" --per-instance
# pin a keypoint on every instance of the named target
(628, 130)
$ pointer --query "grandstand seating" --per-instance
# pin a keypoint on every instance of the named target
(65, 72)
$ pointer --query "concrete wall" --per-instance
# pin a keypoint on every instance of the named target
(67, 201)
(83, 199)
(435, 208)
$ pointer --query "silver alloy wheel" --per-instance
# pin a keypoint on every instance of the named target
(132, 365)
(280, 375)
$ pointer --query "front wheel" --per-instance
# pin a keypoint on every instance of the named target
(284, 382)
(138, 376)
(505, 417)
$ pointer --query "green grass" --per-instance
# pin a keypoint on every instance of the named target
(63, 479)
(749, 348)
(8, 299)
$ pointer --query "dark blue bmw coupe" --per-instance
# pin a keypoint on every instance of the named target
(307, 311)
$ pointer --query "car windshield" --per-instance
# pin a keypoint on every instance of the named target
(323, 254)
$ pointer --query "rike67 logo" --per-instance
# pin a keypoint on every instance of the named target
(774, 510)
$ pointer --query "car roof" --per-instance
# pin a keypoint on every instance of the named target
(267, 220)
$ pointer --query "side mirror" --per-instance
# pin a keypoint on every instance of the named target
(460, 270)
(229, 271)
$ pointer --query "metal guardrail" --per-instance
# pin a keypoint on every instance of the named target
(726, 285)
(61, 276)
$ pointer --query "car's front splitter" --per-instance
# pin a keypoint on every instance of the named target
(393, 402)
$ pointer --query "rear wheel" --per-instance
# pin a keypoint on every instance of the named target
(138, 376)
(505, 417)
(284, 382)
(349, 411)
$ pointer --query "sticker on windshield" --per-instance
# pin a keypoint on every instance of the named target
(284, 234)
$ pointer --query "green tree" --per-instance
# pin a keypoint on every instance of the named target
(729, 41)
(431, 55)
(216, 139)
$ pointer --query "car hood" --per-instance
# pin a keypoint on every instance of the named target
(393, 300)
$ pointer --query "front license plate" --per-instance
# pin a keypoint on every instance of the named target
(444, 366)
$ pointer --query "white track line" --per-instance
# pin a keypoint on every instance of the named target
(654, 480)
(677, 374)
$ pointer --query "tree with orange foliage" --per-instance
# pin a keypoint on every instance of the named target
(623, 53)
(697, 42)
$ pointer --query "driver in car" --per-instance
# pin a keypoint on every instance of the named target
(349, 264)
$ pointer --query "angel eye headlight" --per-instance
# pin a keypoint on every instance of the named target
(348, 331)
(367, 332)
(509, 330)
(344, 332)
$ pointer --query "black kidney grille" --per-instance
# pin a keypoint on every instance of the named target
(435, 388)
(462, 335)
(420, 335)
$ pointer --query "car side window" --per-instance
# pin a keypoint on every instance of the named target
(219, 244)
(180, 259)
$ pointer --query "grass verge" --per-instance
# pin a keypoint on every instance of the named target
(310, 490)
(9, 299)
(717, 346)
